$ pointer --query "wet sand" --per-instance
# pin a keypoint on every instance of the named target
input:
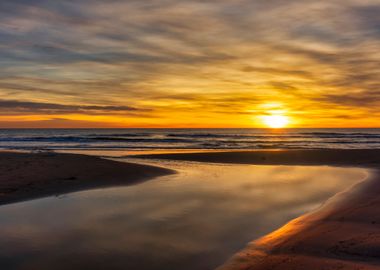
(342, 234)
(26, 176)
(362, 158)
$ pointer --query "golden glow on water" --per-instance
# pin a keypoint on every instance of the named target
(195, 219)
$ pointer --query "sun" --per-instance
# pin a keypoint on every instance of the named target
(276, 121)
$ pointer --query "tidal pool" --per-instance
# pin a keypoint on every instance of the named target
(193, 220)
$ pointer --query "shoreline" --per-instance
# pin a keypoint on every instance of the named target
(26, 176)
(341, 234)
(367, 158)
(344, 233)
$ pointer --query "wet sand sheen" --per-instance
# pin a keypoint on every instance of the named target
(344, 234)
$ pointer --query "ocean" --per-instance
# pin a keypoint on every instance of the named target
(187, 139)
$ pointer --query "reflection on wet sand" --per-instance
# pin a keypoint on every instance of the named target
(192, 220)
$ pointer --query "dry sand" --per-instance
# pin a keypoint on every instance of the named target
(26, 176)
(342, 234)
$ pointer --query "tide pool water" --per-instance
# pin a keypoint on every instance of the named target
(193, 220)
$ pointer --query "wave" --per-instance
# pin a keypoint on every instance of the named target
(188, 139)
(191, 138)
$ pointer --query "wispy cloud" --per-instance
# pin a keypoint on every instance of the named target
(12, 107)
(194, 59)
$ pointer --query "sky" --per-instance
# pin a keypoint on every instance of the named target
(177, 63)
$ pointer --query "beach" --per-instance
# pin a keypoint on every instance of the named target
(342, 234)
(27, 176)
(189, 135)
(336, 157)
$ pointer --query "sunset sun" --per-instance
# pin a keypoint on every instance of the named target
(276, 121)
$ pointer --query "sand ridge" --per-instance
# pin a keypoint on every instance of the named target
(25, 176)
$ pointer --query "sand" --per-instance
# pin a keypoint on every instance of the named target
(25, 176)
(342, 234)
(362, 158)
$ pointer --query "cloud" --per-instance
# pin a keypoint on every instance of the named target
(177, 56)
(56, 123)
(17, 107)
